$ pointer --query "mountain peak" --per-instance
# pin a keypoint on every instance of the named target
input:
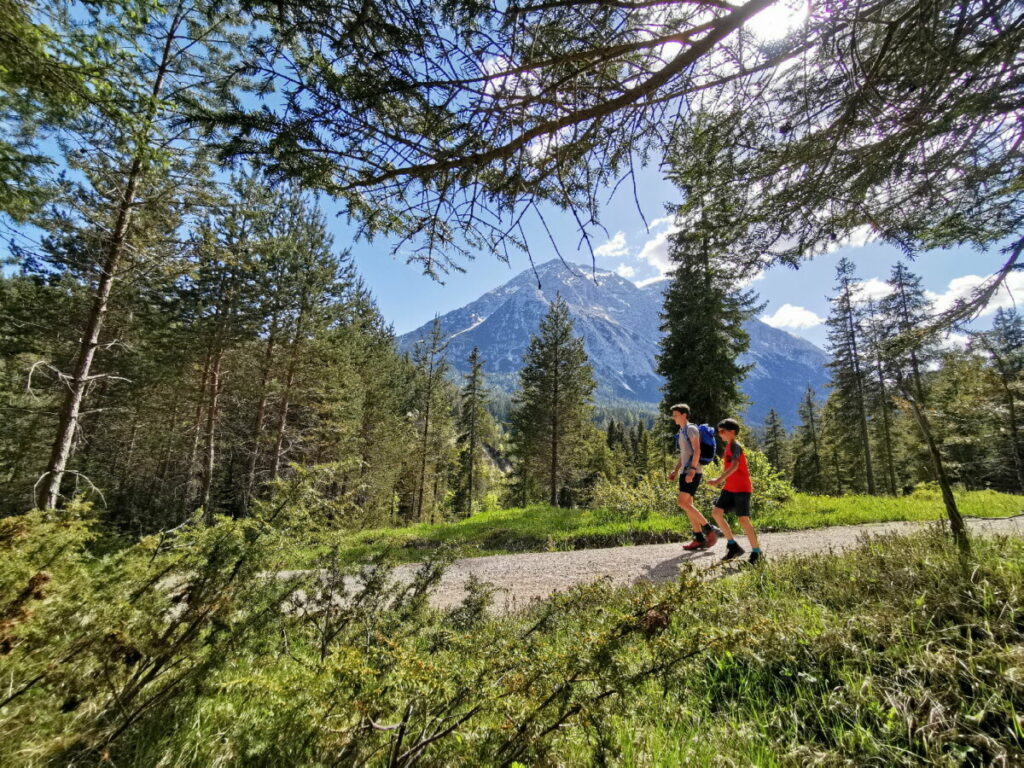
(619, 323)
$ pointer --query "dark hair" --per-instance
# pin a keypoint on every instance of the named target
(731, 424)
(681, 407)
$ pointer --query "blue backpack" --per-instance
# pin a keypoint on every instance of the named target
(708, 446)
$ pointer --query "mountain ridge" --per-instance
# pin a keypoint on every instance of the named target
(619, 323)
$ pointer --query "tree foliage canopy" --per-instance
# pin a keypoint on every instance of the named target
(447, 124)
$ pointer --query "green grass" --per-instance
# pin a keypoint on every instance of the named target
(904, 652)
(805, 511)
(541, 528)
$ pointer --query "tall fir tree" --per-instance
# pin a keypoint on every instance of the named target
(706, 302)
(433, 408)
(774, 445)
(808, 473)
(1004, 345)
(551, 416)
(476, 430)
(845, 344)
(906, 312)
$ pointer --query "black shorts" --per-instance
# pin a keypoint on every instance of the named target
(733, 501)
(689, 487)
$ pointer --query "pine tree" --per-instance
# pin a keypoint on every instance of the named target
(552, 406)
(1004, 345)
(848, 377)
(476, 428)
(774, 447)
(433, 405)
(906, 311)
(877, 389)
(807, 450)
(155, 69)
(706, 303)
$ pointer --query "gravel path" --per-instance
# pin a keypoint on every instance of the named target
(524, 579)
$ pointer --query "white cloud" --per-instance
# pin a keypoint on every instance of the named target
(614, 248)
(624, 270)
(790, 316)
(648, 280)
(655, 251)
(963, 287)
(955, 340)
(873, 289)
(748, 281)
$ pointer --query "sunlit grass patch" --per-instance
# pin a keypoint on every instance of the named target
(541, 528)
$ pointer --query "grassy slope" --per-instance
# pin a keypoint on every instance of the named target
(897, 654)
(542, 528)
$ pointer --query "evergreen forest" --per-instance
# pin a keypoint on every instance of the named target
(229, 500)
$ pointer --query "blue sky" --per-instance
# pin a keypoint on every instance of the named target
(797, 300)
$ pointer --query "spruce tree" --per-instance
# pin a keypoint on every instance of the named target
(706, 303)
(476, 428)
(807, 455)
(774, 443)
(552, 407)
(1004, 345)
(845, 341)
(906, 312)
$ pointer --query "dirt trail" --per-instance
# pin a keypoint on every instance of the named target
(523, 579)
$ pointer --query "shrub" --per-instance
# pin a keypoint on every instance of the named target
(624, 501)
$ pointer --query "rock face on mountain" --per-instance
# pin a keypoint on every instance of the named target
(619, 325)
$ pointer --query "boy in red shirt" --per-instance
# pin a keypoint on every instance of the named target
(735, 495)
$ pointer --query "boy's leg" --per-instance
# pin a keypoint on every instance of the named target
(732, 548)
(697, 520)
(719, 514)
(748, 529)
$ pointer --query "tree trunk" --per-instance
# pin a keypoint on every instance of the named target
(282, 421)
(554, 435)
(886, 431)
(472, 453)
(1011, 407)
(71, 408)
(293, 362)
(210, 437)
(421, 486)
(819, 473)
(261, 411)
(956, 521)
(869, 472)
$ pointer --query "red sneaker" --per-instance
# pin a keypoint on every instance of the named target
(695, 544)
(710, 538)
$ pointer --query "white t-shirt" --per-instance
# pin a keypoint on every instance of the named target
(685, 436)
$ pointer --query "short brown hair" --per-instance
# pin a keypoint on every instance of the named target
(681, 407)
(731, 424)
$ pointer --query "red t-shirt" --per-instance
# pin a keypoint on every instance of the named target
(738, 481)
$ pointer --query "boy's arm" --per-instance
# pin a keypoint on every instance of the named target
(694, 451)
(674, 472)
(725, 475)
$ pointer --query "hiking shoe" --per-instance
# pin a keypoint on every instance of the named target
(695, 543)
(755, 558)
(732, 550)
(711, 537)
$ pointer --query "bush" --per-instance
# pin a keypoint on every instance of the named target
(634, 501)
(190, 650)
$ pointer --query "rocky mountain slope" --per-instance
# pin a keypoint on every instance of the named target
(619, 325)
